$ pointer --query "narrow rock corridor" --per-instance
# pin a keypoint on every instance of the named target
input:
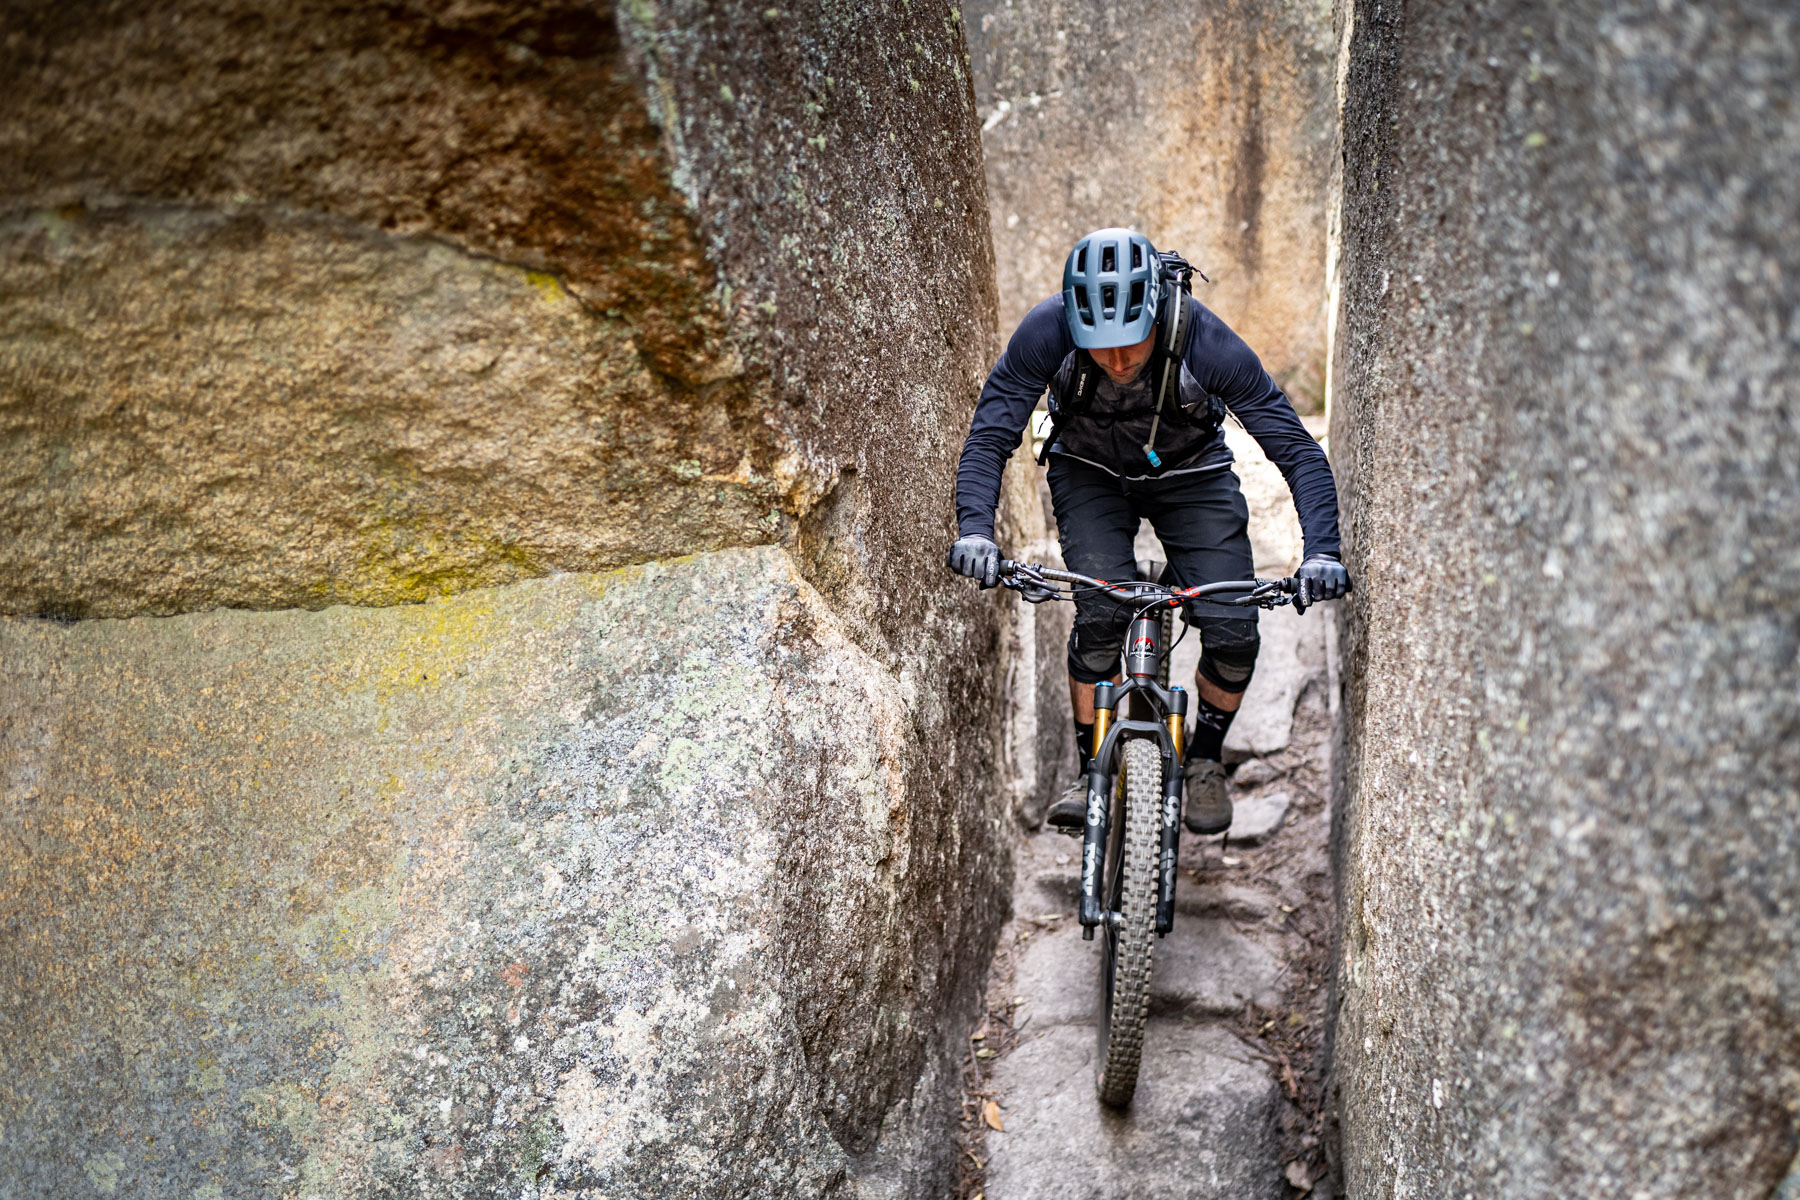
(489, 709)
(1230, 1100)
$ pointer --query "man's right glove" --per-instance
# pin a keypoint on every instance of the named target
(1322, 578)
(978, 558)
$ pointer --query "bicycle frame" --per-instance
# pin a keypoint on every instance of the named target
(1140, 660)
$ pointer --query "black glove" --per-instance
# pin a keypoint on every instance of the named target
(978, 558)
(1322, 577)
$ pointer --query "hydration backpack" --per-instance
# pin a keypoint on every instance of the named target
(1174, 330)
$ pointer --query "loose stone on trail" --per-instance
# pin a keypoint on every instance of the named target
(1254, 773)
(1256, 818)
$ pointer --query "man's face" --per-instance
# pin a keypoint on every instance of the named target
(1122, 363)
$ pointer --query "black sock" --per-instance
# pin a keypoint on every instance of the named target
(1210, 724)
(1084, 745)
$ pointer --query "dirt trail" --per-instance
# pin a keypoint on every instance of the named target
(1229, 1103)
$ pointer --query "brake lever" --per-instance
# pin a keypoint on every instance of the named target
(1031, 588)
(1268, 594)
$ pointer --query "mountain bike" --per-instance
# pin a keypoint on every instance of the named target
(1132, 837)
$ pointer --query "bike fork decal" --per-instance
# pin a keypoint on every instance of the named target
(1092, 846)
(1171, 847)
(1171, 815)
(1090, 849)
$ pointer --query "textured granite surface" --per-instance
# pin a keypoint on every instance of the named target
(1565, 421)
(314, 304)
(522, 892)
(320, 303)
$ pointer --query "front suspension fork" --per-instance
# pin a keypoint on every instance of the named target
(1099, 806)
(1092, 909)
(1176, 723)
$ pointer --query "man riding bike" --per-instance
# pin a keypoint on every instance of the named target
(1140, 374)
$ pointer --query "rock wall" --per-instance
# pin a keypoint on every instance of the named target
(1565, 421)
(473, 270)
(1039, 736)
(1209, 127)
(659, 850)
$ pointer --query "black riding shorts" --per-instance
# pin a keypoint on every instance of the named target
(1204, 526)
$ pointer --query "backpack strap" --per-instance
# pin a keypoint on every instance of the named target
(1174, 328)
(1072, 398)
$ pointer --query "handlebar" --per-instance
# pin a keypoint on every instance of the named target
(1034, 582)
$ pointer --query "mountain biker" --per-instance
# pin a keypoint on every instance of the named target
(1119, 458)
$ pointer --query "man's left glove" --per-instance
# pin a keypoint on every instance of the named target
(978, 558)
(1322, 578)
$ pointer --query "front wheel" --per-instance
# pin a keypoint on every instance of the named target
(1130, 930)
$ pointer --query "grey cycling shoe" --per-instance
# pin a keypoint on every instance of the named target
(1068, 814)
(1208, 808)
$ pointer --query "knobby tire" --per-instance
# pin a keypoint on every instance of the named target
(1125, 959)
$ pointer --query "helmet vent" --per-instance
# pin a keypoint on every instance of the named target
(1109, 260)
(1109, 299)
(1137, 294)
(1137, 263)
(1083, 308)
(1081, 261)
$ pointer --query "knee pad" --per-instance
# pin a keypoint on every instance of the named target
(1228, 653)
(1093, 657)
(1094, 645)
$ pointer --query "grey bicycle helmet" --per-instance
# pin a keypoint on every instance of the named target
(1110, 285)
